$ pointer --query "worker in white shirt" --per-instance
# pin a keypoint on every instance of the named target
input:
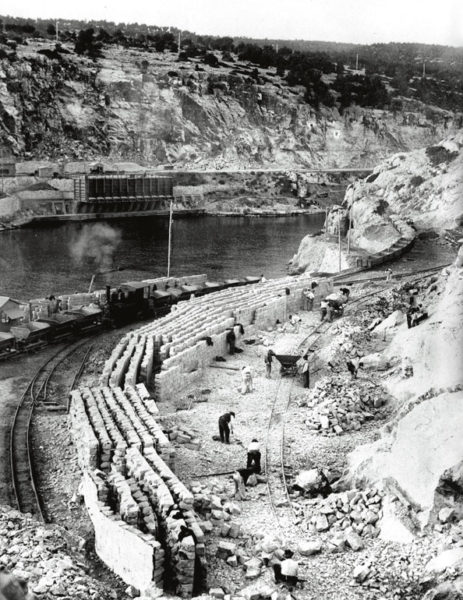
(323, 309)
(287, 570)
(254, 456)
(305, 371)
(308, 298)
(246, 377)
(295, 321)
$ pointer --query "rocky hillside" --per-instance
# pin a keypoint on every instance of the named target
(425, 377)
(151, 108)
(425, 185)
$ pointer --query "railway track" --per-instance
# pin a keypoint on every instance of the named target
(275, 464)
(24, 487)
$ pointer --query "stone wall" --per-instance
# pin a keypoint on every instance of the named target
(129, 553)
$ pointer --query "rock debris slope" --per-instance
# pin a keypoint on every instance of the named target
(421, 453)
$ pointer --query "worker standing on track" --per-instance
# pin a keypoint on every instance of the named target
(268, 363)
(306, 371)
(254, 456)
(323, 309)
(226, 426)
(246, 377)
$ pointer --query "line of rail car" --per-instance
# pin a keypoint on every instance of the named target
(123, 304)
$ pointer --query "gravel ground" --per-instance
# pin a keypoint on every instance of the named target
(327, 575)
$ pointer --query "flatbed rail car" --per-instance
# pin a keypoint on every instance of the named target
(87, 319)
(62, 325)
(7, 344)
(31, 336)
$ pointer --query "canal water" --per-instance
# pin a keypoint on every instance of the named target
(62, 258)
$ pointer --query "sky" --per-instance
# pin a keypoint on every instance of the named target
(356, 21)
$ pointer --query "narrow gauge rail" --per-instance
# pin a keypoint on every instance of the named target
(277, 485)
(21, 464)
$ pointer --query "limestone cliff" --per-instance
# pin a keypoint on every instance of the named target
(424, 185)
(153, 109)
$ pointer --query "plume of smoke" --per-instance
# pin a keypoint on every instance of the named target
(96, 245)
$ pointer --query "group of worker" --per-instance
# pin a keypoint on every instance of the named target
(333, 304)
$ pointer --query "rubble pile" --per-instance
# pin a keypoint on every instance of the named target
(216, 510)
(183, 435)
(336, 406)
(38, 555)
(392, 574)
(348, 337)
(349, 515)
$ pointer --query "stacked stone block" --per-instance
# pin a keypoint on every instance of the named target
(182, 553)
(117, 432)
(83, 434)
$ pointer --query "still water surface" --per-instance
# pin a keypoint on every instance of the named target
(62, 258)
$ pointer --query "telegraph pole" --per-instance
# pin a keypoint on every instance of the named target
(2, 169)
(169, 247)
(339, 238)
(179, 42)
(348, 233)
(56, 31)
(356, 62)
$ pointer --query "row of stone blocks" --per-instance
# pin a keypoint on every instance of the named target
(175, 342)
(109, 420)
(174, 505)
(140, 490)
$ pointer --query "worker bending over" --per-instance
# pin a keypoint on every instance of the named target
(226, 426)
(240, 478)
(287, 571)
(254, 456)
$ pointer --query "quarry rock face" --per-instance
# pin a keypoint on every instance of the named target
(73, 107)
(427, 428)
(316, 253)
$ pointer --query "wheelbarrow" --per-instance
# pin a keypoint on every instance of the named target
(288, 363)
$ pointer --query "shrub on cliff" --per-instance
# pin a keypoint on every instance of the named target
(439, 154)
(416, 180)
(88, 44)
(211, 60)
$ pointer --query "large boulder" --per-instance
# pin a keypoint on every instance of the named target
(449, 559)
